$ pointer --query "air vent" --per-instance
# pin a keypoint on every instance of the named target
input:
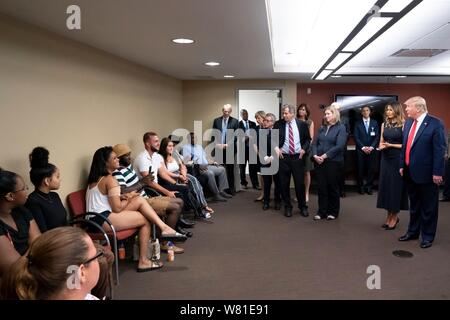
(417, 53)
(204, 77)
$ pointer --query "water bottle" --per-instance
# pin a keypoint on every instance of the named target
(170, 252)
(154, 250)
(122, 252)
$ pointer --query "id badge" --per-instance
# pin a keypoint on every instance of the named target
(372, 133)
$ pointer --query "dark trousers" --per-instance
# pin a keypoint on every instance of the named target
(328, 178)
(253, 171)
(292, 165)
(424, 204)
(446, 193)
(366, 168)
(229, 168)
(268, 185)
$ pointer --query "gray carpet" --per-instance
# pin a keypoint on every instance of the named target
(253, 254)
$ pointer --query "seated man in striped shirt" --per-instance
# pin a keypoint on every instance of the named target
(167, 206)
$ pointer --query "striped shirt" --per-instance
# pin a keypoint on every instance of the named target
(127, 176)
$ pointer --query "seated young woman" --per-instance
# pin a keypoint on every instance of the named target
(177, 170)
(17, 226)
(62, 264)
(49, 212)
(124, 211)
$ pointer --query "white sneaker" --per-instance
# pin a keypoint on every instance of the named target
(317, 217)
(331, 217)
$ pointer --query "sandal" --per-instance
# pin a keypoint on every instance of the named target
(208, 209)
(173, 237)
(155, 265)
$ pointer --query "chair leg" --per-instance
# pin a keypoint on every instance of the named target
(116, 260)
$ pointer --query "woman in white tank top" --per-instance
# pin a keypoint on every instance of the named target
(125, 211)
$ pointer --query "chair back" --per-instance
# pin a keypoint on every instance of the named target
(77, 202)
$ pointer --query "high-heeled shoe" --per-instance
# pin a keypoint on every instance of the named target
(395, 225)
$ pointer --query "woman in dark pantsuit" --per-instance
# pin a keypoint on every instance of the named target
(392, 194)
(328, 154)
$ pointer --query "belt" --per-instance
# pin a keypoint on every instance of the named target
(287, 155)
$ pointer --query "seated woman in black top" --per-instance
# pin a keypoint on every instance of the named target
(17, 226)
(49, 212)
(45, 205)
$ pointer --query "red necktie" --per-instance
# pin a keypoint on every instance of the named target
(291, 140)
(410, 141)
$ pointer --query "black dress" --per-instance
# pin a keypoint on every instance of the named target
(392, 193)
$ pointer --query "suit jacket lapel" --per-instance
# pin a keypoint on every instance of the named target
(421, 129)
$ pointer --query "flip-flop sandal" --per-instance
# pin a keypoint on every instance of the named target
(155, 266)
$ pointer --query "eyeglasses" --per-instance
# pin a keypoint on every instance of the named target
(25, 188)
(100, 253)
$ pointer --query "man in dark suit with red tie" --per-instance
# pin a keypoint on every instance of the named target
(422, 166)
(227, 125)
(294, 140)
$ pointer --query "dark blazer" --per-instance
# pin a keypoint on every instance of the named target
(232, 124)
(251, 124)
(303, 130)
(426, 158)
(364, 139)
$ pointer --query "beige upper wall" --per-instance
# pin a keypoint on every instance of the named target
(203, 100)
(73, 99)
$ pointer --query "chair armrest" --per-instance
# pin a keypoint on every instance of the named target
(93, 224)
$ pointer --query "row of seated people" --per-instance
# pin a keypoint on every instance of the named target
(113, 187)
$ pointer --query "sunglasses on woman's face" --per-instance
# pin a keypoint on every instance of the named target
(98, 255)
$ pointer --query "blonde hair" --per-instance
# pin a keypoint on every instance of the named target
(43, 271)
(260, 113)
(399, 116)
(335, 112)
(419, 102)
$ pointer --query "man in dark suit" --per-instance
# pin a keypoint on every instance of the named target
(294, 140)
(247, 125)
(367, 137)
(422, 166)
(226, 124)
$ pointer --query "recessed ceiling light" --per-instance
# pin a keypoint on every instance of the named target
(400, 76)
(228, 76)
(212, 63)
(183, 41)
(336, 76)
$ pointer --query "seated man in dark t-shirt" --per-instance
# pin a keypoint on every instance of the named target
(17, 226)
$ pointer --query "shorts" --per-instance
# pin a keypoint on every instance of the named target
(159, 204)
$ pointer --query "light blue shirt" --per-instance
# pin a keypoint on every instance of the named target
(224, 130)
(196, 150)
(297, 144)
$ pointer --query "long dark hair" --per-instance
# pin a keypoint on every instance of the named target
(303, 105)
(8, 182)
(40, 167)
(163, 148)
(43, 272)
(98, 166)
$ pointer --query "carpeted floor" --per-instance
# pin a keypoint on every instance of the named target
(248, 253)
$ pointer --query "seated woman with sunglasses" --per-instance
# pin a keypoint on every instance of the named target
(62, 264)
(124, 211)
(17, 226)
